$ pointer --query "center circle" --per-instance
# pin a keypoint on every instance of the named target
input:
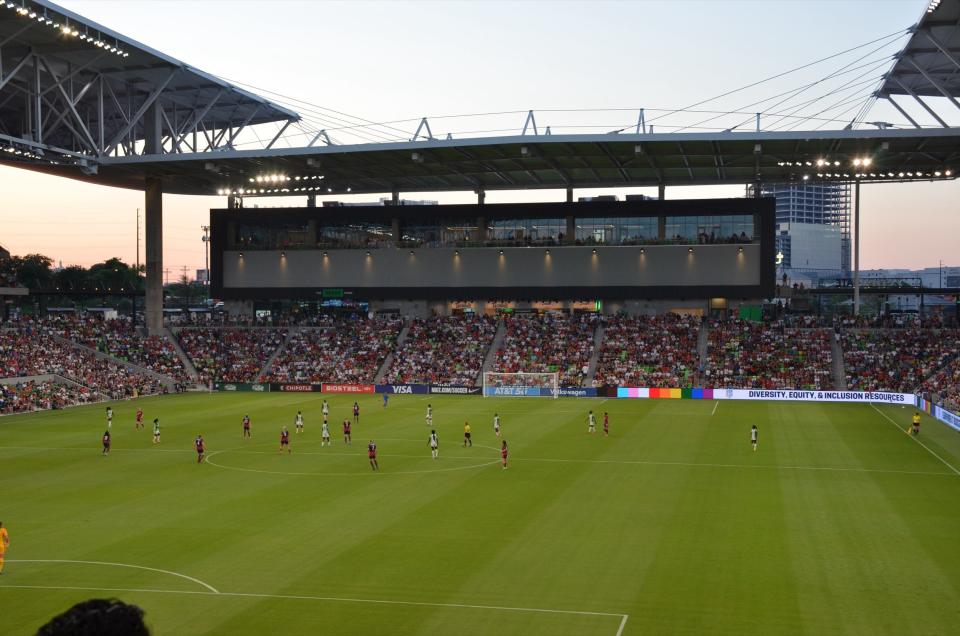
(359, 453)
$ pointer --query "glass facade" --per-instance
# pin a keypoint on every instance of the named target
(526, 232)
(439, 233)
(732, 228)
(273, 237)
(356, 235)
(640, 230)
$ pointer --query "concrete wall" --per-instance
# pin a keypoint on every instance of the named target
(484, 268)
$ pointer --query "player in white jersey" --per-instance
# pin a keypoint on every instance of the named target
(325, 409)
(434, 442)
(591, 423)
(109, 417)
(299, 422)
(429, 415)
(324, 434)
(156, 430)
(496, 424)
(754, 433)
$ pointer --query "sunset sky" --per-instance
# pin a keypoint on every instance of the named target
(399, 60)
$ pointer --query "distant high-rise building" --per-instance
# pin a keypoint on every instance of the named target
(813, 225)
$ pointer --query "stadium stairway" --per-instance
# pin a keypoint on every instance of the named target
(495, 345)
(595, 356)
(291, 332)
(401, 338)
(165, 380)
(184, 358)
(702, 343)
(839, 369)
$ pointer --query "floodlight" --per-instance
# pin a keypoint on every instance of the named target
(820, 162)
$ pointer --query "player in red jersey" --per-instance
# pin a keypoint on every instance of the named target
(346, 432)
(200, 448)
(503, 454)
(356, 413)
(606, 424)
(372, 455)
(246, 426)
(106, 442)
(285, 439)
(139, 419)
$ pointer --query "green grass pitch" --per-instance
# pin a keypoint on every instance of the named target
(840, 523)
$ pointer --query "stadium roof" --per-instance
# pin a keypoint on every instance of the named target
(929, 64)
(82, 101)
(97, 88)
(556, 161)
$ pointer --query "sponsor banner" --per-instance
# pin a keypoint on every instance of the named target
(347, 388)
(296, 388)
(403, 389)
(762, 394)
(938, 412)
(577, 391)
(514, 391)
(455, 390)
(241, 386)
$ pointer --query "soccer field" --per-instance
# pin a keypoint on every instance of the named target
(840, 523)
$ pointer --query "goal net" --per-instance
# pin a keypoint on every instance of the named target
(521, 384)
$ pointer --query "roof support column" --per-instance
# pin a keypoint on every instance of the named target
(569, 195)
(481, 196)
(662, 192)
(153, 129)
(856, 247)
(153, 230)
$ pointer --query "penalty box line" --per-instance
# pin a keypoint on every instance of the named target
(331, 599)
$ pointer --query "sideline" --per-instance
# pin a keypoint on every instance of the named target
(928, 449)
(118, 565)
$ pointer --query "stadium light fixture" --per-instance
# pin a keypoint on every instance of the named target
(283, 254)
(690, 250)
(806, 177)
(857, 161)
(501, 252)
(820, 162)
(241, 254)
(594, 251)
(740, 250)
(457, 252)
(547, 252)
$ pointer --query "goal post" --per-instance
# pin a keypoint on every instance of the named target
(521, 384)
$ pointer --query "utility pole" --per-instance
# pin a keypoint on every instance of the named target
(183, 271)
(206, 252)
(138, 242)
(166, 275)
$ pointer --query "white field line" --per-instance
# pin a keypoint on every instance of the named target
(928, 449)
(715, 405)
(119, 565)
(709, 465)
(344, 474)
(332, 599)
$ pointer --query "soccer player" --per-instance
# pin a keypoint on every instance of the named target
(246, 426)
(346, 433)
(503, 453)
(324, 434)
(372, 455)
(386, 396)
(356, 413)
(434, 442)
(285, 440)
(139, 419)
(591, 423)
(496, 425)
(606, 424)
(4, 544)
(753, 437)
(109, 417)
(466, 435)
(156, 430)
(916, 423)
(106, 442)
(429, 415)
(299, 422)
(198, 443)
(325, 409)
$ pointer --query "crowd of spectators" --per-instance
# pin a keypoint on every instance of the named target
(39, 396)
(897, 360)
(649, 351)
(118, 337)
(443, 350)
(744, 354)
(29, 352)
(548, 343)
(944, 386)
(348, 349)
(229, 354)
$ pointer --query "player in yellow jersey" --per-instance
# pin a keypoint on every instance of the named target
(466, 435)
(4, 544)
(916, 423)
